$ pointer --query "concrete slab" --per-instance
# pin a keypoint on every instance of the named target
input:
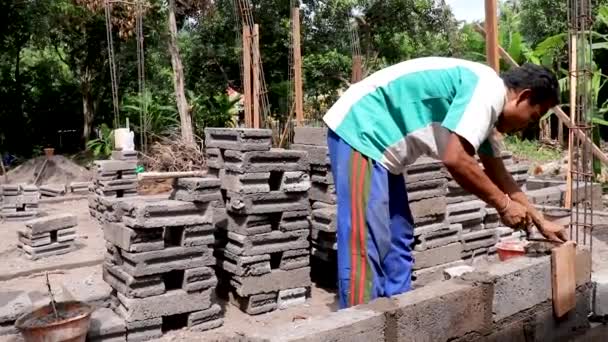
(316, 136)
(170, 303)
(51, 223)
(275, 281)
(238, 139)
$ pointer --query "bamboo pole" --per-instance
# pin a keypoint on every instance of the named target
(597, 152)
(297, 66)
(573, 84)
(247, 74)
(491, 25)
(167, 175)
(256, 76)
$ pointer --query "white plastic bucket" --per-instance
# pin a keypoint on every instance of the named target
(124, 139)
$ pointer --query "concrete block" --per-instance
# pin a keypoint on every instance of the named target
(438, 183)
(203, 196)
(255, 304)
(321, 174)
(238, 139)
(199, 235)
(439, 238)
(198, 279)
(424, 164)
(431, 229)
(117, 185)
(206, 319)
(52, 249)
(51, 223)
(353, 324)
(428, 275)
(124, 155)
(274, 160)
(295, 181)
(317, 155)
(66, 235)
(424, 176)
(246, 183)
(215, 159)
(457, 271)
(291, 297)
(107, 166)
(316, 136)
(516, 285)
(132, 287)
(466, 207)
(263, 203)
(428, 209)
(168, 259)
(423, 194)
(134, 240)
(542, 325)
(140, 331)
(243, 265)
(437, 256)
(294, 259)
(198, 183)
(106, 326)
(440, 311)
(323, 193)
(166, 213)
(170, 303)
(479, 239)
(52, 190)
(468, 219)
(26, 237)
(275, 241)
(325, 219)
(600, 295)
(274, 281)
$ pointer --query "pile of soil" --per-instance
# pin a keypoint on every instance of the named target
(58, 170)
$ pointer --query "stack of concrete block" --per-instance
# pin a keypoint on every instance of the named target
(48, 235)
(263, 247)
(437, 242)
(19, 202)
(113, 179)
(159, 263)
(322, 196)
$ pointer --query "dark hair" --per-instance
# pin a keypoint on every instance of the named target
(539, 79)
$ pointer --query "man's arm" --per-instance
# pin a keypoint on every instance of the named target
(458, 159)
(495, 170)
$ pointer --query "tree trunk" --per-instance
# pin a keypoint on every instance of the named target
(178, 80)
(88, 106)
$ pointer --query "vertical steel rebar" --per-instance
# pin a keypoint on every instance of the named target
(581, 171)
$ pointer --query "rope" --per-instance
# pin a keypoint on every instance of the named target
(112, 63)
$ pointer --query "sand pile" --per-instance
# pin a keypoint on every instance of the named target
(58, 170)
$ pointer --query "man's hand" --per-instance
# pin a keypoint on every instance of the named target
(551, 231)
(515, 215)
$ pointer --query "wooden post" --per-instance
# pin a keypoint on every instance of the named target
(247, 74)
(560, 132)
(256, 76)
(297, 68)
(491, 26)
(573, 81)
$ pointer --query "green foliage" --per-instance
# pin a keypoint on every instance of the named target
(216, 111)
(160, 115)
(101, 147)
(531, 149)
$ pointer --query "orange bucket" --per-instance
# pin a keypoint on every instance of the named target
(510, 249)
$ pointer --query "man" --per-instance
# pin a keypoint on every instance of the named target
(442, 107)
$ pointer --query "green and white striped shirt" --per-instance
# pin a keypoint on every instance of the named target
(407, 110)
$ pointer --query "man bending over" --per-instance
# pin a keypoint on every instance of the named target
(445, 108)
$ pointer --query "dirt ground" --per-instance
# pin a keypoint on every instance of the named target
(59, 170)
